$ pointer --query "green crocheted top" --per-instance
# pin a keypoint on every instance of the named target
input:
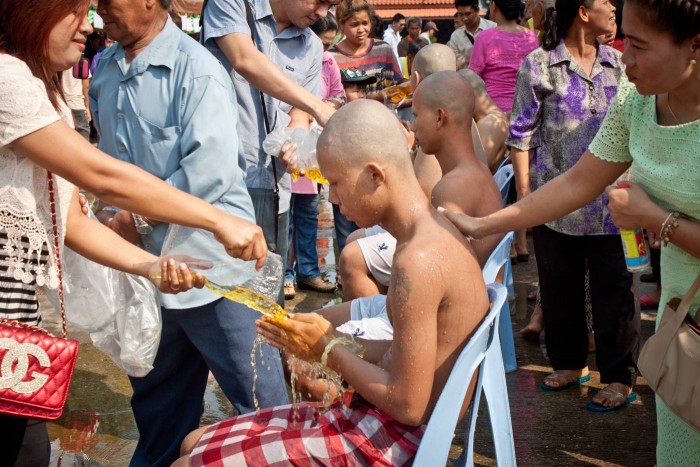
(666, 163)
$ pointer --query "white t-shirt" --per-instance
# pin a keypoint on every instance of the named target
(27, 244)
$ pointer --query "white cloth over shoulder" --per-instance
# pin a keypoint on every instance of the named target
(24, 195)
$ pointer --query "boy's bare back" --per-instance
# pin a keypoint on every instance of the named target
(443, 127)
(436, 299)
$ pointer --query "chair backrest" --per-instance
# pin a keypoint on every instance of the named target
(504, 162)
(502, 178)
(435, 445)
(499, 257)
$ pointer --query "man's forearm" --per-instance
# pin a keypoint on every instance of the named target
(262, 73)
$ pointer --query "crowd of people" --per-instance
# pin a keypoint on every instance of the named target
(164, 129)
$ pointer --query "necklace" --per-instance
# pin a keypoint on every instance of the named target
(668, 105)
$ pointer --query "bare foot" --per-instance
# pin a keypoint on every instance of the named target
(562, 379)
(612, 395)
(535, 326)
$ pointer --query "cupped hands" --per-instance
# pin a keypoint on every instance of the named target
(304, 335)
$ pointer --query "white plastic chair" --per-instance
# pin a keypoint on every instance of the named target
(505, 161)
(500, 258)
(500, 358)
(502, 177)
(434, 448)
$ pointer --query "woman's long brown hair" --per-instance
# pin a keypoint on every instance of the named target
(25, 26)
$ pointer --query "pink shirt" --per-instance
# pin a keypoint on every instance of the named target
(496, 57)
(331, 86)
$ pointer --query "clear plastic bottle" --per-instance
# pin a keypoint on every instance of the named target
(207, 256)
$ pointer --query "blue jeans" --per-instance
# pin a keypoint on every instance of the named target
(343, 227)
(168, 402)
(303, 230)
(265, 210)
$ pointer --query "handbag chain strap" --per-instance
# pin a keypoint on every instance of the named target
(57, 253)
(17, 324)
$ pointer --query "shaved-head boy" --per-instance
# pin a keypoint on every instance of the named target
(436, 299)
(365, 263)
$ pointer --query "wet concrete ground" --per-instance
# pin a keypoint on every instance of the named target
(550, 429)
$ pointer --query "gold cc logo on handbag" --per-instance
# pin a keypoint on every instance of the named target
(17, 352)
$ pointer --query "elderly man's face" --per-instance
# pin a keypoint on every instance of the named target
(127, 21)
(414, 29)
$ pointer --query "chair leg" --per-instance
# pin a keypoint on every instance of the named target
(496, 392)
(508, 278)
(505, 330)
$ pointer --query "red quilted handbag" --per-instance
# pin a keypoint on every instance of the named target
(36, 367)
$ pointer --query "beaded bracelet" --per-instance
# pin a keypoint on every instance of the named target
(668, 227)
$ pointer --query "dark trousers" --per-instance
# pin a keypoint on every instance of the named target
(655, 258)
(561, 266)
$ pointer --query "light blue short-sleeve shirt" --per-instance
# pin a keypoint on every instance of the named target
(172, 112)
(297, 52)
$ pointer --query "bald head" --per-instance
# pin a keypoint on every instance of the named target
(474, 80)
(364, 131)
(483, 104)
(449, 91)
(433, 59)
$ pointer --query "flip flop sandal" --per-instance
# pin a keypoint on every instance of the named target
(598, 408)
(545, 387)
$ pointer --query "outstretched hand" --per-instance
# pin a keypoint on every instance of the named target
(172, 277)
(242, 239)
(465, 224)
(304, 335)
(630, 207)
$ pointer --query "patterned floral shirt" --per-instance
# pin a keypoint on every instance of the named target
(557, 111)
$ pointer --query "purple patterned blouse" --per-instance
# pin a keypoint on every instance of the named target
(557, 111)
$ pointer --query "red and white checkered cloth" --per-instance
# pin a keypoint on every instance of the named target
(360, 435)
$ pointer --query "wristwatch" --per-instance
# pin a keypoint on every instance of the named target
(142, 227)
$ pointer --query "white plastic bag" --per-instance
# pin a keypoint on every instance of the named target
(120, 311)
(132, 339)
(306, 140)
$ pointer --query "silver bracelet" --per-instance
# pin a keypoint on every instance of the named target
(142, 227)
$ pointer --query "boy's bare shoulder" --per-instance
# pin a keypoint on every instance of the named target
(434, 248)
(473, 192)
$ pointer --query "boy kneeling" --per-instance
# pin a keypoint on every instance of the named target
(436, 299)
